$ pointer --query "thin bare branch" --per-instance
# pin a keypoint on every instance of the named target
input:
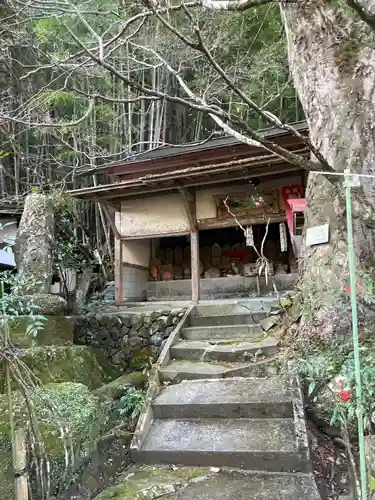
(73, 123)
(366, 16)
(268, 116)
(239, 5)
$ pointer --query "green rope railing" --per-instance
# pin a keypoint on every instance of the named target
(353, 181)
(349, 183)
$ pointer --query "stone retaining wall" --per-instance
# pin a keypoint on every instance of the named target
(129, 339)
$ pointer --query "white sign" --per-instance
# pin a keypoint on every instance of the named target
(317, 235)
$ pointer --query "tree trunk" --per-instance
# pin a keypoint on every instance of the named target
(334, 73)
(33, 249)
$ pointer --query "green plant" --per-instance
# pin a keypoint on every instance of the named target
(317, 365)
(132, 403)
(14, 302)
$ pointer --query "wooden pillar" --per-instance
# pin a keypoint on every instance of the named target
(188, 199)
(195, 266)
(119, 288)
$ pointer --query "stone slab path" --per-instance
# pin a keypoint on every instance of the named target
(151, 483)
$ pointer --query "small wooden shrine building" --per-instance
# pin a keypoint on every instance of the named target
(179, 212)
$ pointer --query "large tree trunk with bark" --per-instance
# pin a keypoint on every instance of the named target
(334, 73)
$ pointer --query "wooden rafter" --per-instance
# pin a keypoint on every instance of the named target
(188, 199)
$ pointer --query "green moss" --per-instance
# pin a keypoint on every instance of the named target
(255, 340)
(141, 358)
(346, 55)
(57, 330)
(66, 364)
(214, 363)
(285, 302)
(152, 477)
(116, 388)
(75, 406)
(137, 379)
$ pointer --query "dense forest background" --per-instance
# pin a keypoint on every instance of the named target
(48, 131)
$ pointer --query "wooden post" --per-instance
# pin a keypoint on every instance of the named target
(188, 199)
(195, 266)
(20, 466)
(119, 289)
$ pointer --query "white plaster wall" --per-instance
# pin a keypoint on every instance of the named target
(151, 215)
(136, 252)
(8, 233)
(205, 203)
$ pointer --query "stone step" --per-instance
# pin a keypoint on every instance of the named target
(222, 332)
(179, 370)
(251, 444)
(185, 483)
(223, 350)
(242, 306)
(252, 486)
(227, 319)
(225, 398)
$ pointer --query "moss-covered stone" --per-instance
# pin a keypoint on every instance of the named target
(285, 302)
(49, 304)
(57, 330)
(116, 388)
(56, 364)
(75, 406)
(138, 379)
(152, 482)
(141, 358)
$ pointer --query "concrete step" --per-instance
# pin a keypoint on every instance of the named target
(223, 350)
(252, 486)
(179, 370)
(202, 484)
(225, 398)
(222, 332)
(241, 306)
(251, 444)
(227, 319)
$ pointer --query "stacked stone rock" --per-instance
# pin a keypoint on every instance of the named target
(80, 382)
(126, 336)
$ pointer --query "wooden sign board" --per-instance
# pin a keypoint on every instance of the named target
(317, 235)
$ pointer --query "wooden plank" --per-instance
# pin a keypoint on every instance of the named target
(195, 261)
(137, 188)
(216, 223)
(154, 235)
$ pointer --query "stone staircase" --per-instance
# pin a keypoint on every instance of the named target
(226, 407)
(220, 340)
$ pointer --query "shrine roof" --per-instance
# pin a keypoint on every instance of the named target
(215, 161)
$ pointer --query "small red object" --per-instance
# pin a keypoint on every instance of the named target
(345, 394)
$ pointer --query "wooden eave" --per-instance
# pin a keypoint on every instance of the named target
(193, 169)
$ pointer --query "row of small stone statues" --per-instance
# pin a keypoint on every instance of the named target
(215, 261)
